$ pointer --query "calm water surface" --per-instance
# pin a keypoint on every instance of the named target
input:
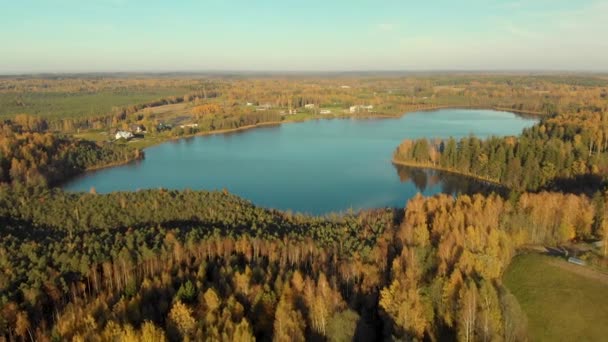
(314, 167)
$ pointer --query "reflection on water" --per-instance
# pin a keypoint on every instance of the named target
(447, 182)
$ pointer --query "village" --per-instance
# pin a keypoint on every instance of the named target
(185, 118)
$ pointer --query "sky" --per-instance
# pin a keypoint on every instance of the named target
(304, 35)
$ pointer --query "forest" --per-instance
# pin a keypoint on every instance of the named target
(167, 265)
(31, 156)
(199, 265)
(567, 150)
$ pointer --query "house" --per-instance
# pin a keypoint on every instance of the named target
(137, 128)
(345, 87)
(360, 108)
(325, 111)
(263, 107)
(289, 112)
(163, 127)
(309, 106)
(576, 261)
(249, 104)
(123, 135)
(189, 125)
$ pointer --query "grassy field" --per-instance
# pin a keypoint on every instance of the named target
(561, 305)
(53, 105)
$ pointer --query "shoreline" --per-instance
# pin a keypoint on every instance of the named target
(278, 123)
(105, 166)
(219, 131)
(342, 117)
(143, 153)
(494, 108)
(439, 168)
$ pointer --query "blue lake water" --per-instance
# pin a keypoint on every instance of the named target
(313, 167)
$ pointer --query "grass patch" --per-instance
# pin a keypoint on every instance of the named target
(54, 105)
(561, 305)
(96, 135)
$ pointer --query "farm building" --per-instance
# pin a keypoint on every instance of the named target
(360, 108)
(123, 135)
(576, 261)
(263, 107)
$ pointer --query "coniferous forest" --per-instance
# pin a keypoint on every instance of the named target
(564, 150)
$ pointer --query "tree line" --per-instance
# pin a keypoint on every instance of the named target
(208, 265)
(564, 151)
(390, 95)
(37, 158)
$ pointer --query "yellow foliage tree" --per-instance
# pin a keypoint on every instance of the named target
(180, 317)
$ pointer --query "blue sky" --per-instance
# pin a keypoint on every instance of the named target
(152, 35)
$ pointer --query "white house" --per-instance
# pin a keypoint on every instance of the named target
(360, 108)
(309, 106)
(124, 135)
(345, 87)
(189, 125)
(325, 111)
(263, 107)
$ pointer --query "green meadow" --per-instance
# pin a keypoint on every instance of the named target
(560, 305)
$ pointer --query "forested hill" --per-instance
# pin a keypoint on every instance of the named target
(567, 152)
(160, 264)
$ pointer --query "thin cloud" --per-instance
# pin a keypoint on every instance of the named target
(386, 27)
(522, 32)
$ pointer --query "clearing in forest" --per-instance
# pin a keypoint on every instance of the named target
(561, 304)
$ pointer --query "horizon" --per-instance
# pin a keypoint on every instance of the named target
(332, 73)
(132, 36)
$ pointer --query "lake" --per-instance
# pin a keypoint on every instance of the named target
(313, 167)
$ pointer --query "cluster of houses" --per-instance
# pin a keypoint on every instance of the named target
(140, 129)
(260, 108)
(124, 135)
(307, 106)
(129, 134)
(289, 112)
(311, 106)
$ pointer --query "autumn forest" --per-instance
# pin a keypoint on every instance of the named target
(173, 265)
